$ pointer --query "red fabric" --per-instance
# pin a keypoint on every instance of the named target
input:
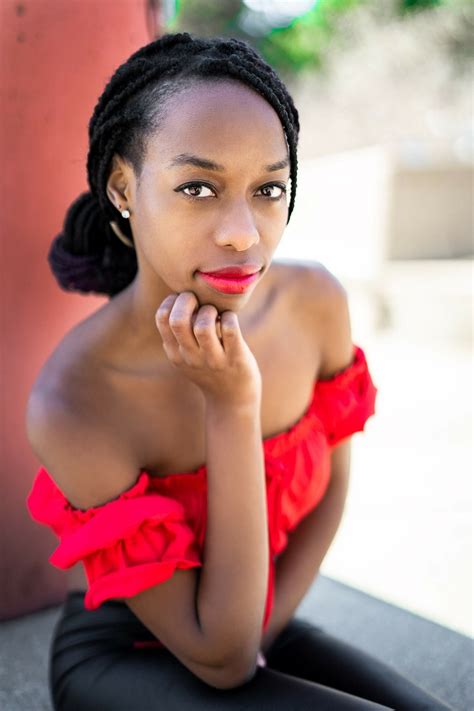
(158, 525)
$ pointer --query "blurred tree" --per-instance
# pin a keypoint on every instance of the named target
(206, 17)
(418, 4)
(302, 44)
(159, 14)
(290, 48)
(292, 44)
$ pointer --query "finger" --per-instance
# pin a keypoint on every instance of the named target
(231, 333)
(180, 320)
(170, 343)
(205, 330)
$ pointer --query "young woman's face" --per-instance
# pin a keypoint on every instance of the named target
(211, 193)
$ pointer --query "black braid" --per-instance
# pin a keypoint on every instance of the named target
(87, 256)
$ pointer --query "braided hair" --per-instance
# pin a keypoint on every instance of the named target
(87, 256)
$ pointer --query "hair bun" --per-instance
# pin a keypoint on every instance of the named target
(86, 256)
(84, 226)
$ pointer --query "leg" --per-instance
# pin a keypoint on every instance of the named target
(94, 667)
(157, 681)
(306, 651)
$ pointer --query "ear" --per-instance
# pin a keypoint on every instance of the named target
(119, 183)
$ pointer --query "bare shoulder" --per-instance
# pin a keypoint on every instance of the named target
(71, 428)
(322, 299)
(69, 380)
(317, 290)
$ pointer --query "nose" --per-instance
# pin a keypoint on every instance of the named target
(237, 228)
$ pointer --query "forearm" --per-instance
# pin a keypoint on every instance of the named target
(299, 563)
(233, 582)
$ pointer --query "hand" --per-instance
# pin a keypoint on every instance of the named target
(220, 364)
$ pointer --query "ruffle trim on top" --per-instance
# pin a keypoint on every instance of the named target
(126, 545)
(345, 402)
(47, 504)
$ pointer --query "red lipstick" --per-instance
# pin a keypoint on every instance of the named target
(232, 279)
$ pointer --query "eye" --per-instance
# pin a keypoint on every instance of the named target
(196, 190)
(273, 191)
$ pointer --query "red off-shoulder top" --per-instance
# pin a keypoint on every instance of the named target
(139, 539)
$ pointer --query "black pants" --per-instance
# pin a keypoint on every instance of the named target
(94, 666)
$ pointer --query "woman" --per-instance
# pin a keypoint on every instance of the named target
(193, 571)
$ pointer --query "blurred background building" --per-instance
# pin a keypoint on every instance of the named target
(384, 90)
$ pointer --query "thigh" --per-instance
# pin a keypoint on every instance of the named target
(93, 666)
(157, 681)
(308, 652)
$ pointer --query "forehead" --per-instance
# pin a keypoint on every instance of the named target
(222, 120)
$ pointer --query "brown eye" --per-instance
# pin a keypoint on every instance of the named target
(197, 190)
(273, 192)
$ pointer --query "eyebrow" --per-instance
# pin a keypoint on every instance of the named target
(189, 159)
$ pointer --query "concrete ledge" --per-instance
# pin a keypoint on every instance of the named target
(436, 658)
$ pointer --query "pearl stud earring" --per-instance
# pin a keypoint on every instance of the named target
(125, 213)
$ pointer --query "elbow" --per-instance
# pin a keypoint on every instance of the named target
(234, 676)
(230, 669)
(225, 676)
(233, 672)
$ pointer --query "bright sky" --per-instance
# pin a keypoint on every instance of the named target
(277, 8)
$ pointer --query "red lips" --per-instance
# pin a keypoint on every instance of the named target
(232, 280)
(234, 270)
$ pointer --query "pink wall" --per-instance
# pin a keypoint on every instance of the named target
(56, 57)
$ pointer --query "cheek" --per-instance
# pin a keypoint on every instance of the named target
(273, 225)
(168, 250)
(155, 223)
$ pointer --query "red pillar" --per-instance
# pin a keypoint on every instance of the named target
(56, 58)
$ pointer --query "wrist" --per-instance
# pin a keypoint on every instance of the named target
(242, 407)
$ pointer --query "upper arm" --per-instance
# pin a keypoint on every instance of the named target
(92, 465)
(331, 318)
(341, 462)
(89, 461)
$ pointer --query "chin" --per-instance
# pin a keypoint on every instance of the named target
(221, 300)
(227, 302)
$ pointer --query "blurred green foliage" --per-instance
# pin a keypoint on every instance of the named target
(300, 45)
(418, 4)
